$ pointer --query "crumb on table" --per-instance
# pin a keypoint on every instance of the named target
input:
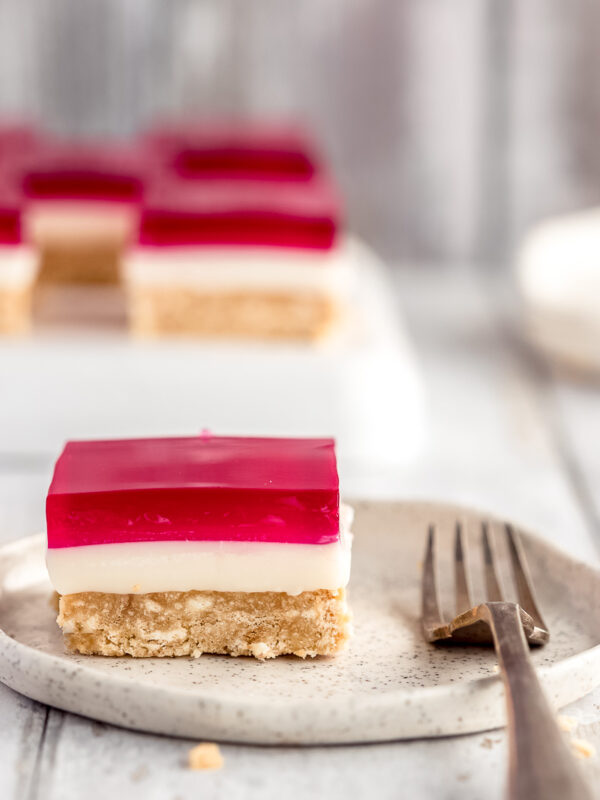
(583, 748)
(205, 755)
(565, 723)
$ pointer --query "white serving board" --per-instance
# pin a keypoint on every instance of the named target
(389, 684)
(90, 380)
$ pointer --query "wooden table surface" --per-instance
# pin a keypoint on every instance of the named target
(504, 434)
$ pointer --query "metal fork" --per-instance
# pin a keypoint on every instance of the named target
(540, 763)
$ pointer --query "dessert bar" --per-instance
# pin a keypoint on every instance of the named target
(238, 258)
(184, 546)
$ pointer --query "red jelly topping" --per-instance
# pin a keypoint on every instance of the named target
(102, 172)
(235, 150)
(195, 488)
(177, 212)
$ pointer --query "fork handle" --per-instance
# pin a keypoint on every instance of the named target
(541, 766)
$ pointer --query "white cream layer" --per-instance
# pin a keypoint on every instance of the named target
(225, 268)
(19, 265)
(144, 567)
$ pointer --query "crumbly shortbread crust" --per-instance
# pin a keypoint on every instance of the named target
(259, 624)
(262, 314)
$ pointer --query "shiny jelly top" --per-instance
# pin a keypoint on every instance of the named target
(194, 488)
(235, 149)
(239, 212)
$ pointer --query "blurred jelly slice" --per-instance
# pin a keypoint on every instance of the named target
(241, 259)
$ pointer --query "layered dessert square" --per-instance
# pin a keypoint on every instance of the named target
(82, 207)
(239, 258)
(184, 546)
(18, 266)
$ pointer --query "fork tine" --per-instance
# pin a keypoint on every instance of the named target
(492, 582)
(431, 615)
(462, 586)
(522, 575)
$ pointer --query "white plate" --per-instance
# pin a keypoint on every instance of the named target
(388, 685)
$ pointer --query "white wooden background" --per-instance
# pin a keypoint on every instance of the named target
(505, 435)
(452, 125)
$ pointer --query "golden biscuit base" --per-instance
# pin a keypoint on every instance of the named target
(155, 311)
(259, 624)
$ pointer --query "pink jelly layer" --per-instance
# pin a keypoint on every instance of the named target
(203, 488)
(180, 212)
(235, 150)
(101, 172)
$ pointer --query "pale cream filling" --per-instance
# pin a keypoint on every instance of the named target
(237, 268)
(182, 566)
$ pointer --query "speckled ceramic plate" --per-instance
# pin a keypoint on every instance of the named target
(388, 685)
